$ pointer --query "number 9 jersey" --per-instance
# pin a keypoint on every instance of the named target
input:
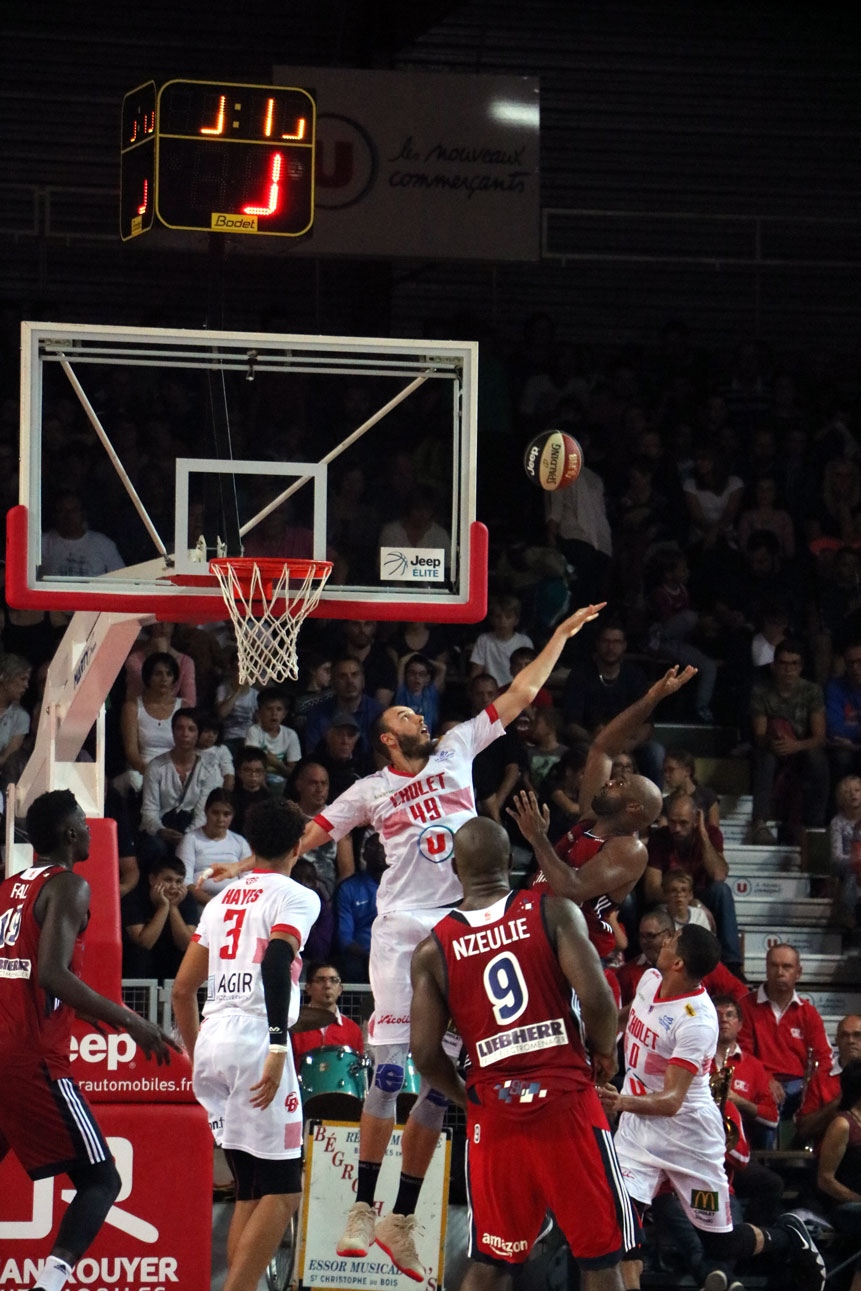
(511, 1003)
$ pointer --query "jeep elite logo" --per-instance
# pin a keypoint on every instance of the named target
(239, 223)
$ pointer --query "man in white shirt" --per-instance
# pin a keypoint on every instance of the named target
(73, 549)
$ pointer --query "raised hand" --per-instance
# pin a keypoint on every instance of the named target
(532, 821)
(572, 625)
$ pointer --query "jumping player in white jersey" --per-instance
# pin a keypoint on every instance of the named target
(416, 804)
(670, 1128)
(246, 948)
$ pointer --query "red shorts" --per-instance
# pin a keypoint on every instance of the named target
(559, 1156)
(48, 1123)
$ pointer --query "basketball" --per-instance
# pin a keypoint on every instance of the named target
(553, 460)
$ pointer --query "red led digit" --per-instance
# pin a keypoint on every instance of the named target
(274, 189)
(301, 125)
(144, 204)
(218, 128)
(267, 117)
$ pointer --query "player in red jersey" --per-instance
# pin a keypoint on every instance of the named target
(617, 810)
(44, 1118)
(502, 967)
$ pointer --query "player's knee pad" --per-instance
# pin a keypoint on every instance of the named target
(430, 1107)
(390, 1062)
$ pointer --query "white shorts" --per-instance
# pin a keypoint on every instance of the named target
(687, 1151)
(394, 937)
(228, 1060)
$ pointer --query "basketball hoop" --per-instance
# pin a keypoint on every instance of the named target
(268, 601)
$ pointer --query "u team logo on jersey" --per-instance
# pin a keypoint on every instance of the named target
(436, 843)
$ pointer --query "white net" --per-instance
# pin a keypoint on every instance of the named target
(268, 602)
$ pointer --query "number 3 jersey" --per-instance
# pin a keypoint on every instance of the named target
(236, 926)
(682, 1030)
(417, 817)
(33, 1025)
(511, 1002)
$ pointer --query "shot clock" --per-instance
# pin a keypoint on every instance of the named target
(218, 157)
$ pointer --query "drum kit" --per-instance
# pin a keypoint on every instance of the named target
(333, 1081)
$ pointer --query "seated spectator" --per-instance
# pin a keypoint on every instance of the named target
(845, 850)
(492, 650)
(544, 748)
(766, 513)
(605, 685)
(235, 707)
(749, 1086)
(279, 742)
(788, 727)
(319, 941)
(834, 517)
(71, 548)
(176, 786)
(116, 809)
(159, 640)
(210, 745)
(341, 754)
(680, 775)
(843, 715)
(145, 722)
(15, 674)
(688, 843)
(501, 768)
(315, 678)
(675, 622)
(359, 641)
(421, 684)
(158, 919)
(681, 905)
(416, 526)
(785, 1032)
(323, 989)
(835, 613)
(560, 790)
(212, 843)
(518, 661)
(251, 784)
(349, 699)
(839, 1173)
(333, 861)
(356, 910)
(822, 1096)
(713, 499)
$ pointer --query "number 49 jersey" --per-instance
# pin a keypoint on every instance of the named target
(511, 1002)
(236, 926)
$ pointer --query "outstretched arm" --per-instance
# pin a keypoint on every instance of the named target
(313, 837)
(614, 737)
(619, 864)
(530, 679)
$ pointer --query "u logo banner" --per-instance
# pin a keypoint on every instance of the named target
(701, 1199)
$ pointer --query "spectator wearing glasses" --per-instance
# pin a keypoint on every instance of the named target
(822, 1096)
(323, 990)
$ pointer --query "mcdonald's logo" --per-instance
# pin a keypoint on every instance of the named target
(701, 1199)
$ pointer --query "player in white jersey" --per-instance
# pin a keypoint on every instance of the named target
(671, 1129)
(417, 804)
(246, 948)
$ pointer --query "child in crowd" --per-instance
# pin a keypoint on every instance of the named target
(846, 849)
(675, 622)
(213, 843)
(235, 706)
(280, 743)
(421, 683)
(251, 787)
(680, 775)
(158, 919)
(493, 650)
(209, 744)
(679, 902)
(545, 750)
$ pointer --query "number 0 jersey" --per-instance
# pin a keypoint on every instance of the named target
(417, 817)
(682, 1029)
(236, 926)
(511, 1002)
(32, 1024)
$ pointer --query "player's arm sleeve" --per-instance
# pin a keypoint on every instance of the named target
(692, 1040)
(277, 982)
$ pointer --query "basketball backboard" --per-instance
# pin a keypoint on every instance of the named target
(182, 445)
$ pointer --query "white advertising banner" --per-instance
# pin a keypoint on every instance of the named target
(331, 1166)
(431, 165)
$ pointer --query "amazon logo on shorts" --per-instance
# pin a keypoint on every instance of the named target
(702, 1199)
(436, 843)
